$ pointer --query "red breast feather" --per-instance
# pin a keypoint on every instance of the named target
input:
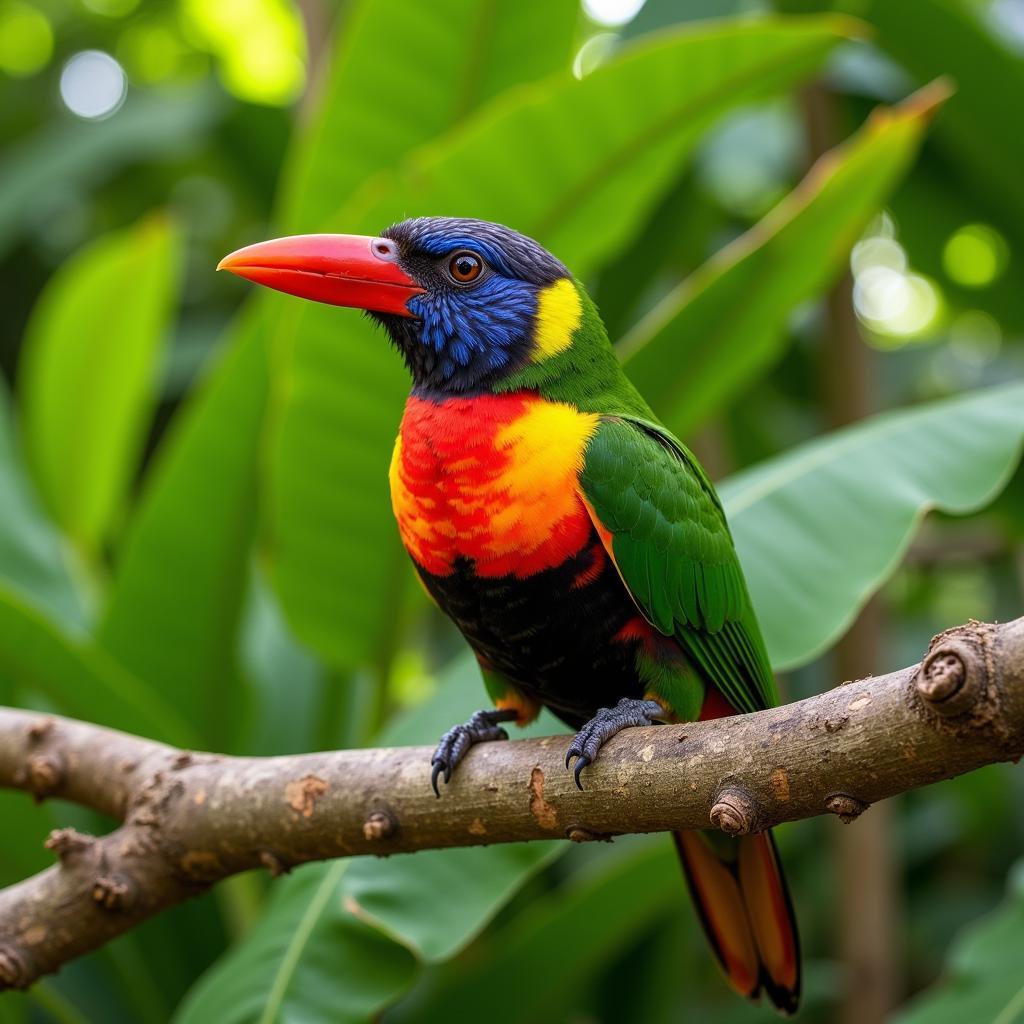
(491, 478)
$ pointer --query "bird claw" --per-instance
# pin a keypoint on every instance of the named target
(438, 766)
(455, 743)
(582, 760)
(604, 725)
(581, 763)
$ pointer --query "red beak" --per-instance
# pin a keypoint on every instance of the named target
(343, 270)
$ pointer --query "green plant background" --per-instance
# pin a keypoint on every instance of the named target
(195, 539)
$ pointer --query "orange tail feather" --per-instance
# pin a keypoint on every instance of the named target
(743, 903)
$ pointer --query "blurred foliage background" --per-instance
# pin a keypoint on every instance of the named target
(195, 541)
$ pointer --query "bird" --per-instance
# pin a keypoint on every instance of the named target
(578, 546)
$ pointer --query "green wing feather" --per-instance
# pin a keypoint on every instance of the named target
(672, 546)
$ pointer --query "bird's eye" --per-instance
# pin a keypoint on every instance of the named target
(465, 267)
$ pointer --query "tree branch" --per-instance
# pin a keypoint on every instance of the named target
(190, 820)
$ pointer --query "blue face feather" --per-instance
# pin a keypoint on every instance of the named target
(478, 331)
(468, 332)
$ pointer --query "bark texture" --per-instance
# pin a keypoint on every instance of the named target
(192, 819)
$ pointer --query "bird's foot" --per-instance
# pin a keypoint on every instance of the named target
(455, 743)
(605, 724)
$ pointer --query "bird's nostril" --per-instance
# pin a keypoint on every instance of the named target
(384, 249)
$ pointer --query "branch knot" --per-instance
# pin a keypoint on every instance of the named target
(13, 970)
(734, 811)
(42, 774)
(113, 892)
(845, 807)
(950, 678)
(66, 843)
(379, 825)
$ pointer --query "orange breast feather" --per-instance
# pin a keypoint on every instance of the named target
(491, 478)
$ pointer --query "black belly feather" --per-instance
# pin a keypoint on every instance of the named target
(550, 636)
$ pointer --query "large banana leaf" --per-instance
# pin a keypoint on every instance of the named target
(422, 68)
(88, 379)
(948, 37)
(286, 682)
(821, 527)
(721, 327)
(78, 679)
(983, 981)
(307, 960)
(177, 592)
(577, 165)
(599, 912)
(33, 557)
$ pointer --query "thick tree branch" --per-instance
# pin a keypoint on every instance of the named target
(190, 820)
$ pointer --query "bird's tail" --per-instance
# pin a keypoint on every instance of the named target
(743, 902)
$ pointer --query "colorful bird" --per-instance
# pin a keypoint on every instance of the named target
(578, 545)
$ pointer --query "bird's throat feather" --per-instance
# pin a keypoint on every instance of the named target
(492, 479)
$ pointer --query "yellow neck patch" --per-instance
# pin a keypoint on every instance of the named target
(559, 311)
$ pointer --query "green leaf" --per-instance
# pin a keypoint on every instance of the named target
(88, 384)
(989, 79)
(554, 160)
(79, 679)
(727, 322)
(821, 527)
(412, 900)
(307, 960)
(178, 588)
(421, 68)
(286, 683)
(597, 914)
(33, 558)
(983, 982)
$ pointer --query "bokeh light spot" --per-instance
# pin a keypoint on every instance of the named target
(26, 38)
(1006, 21)
(880, 294)
(612, 12)
(260, 46)
(93, 84)
(594, 52)
(975, 255)
(877, 251)
(895, 304)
